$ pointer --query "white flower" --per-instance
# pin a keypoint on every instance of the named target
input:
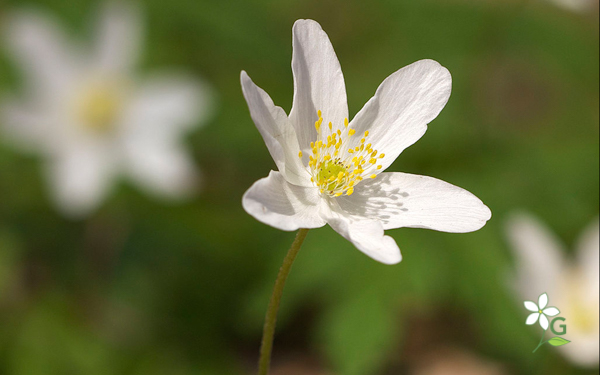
(91, 117)
(578, 6)
(330, 171)
(540, 311)
(574, 286)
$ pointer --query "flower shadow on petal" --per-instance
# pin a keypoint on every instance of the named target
(375, 202)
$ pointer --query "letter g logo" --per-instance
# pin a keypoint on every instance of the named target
(563, 326)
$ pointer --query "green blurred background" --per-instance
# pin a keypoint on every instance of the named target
(146, 287)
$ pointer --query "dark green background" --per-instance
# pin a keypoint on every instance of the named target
(145, 287)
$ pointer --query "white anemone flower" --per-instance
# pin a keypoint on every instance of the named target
(330, 170)
(578, 6)
(92, 118)
(540, 311)
(573, 285)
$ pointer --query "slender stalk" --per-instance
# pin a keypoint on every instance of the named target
(541, 343)
(271, 317)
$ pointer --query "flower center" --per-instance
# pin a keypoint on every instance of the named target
(98, 108)
(335, 168)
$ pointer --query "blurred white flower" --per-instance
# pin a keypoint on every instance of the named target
(540, 311)
(322, 159)
(92, 118)
(579, 6)
(574, 286)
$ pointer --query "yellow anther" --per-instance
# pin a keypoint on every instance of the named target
(334, 175)
(300, 154)
(319, 113)
(381, 156)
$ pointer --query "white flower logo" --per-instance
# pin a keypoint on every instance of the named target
(331, 170)
(540, 311)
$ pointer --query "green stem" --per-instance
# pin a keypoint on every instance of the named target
(271, 317)
(541, 343)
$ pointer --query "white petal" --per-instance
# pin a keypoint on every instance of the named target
(544, 322)
(278, 134)
(29, 128)
(532, 318)
(163, 169)
(551, 311)
(583, 350)
(543, 301)
(538, 255)
(367, 235)
(588, 262)
(42, 51)
(407, 200)
(318, 82)
(165, 106)
(274, 201)
(119, 37)
(161, 110)
(531, 306)
(81, 177)
(405, 102)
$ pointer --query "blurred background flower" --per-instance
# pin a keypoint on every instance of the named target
(141, 287)
(89, 114)
(573, 285)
